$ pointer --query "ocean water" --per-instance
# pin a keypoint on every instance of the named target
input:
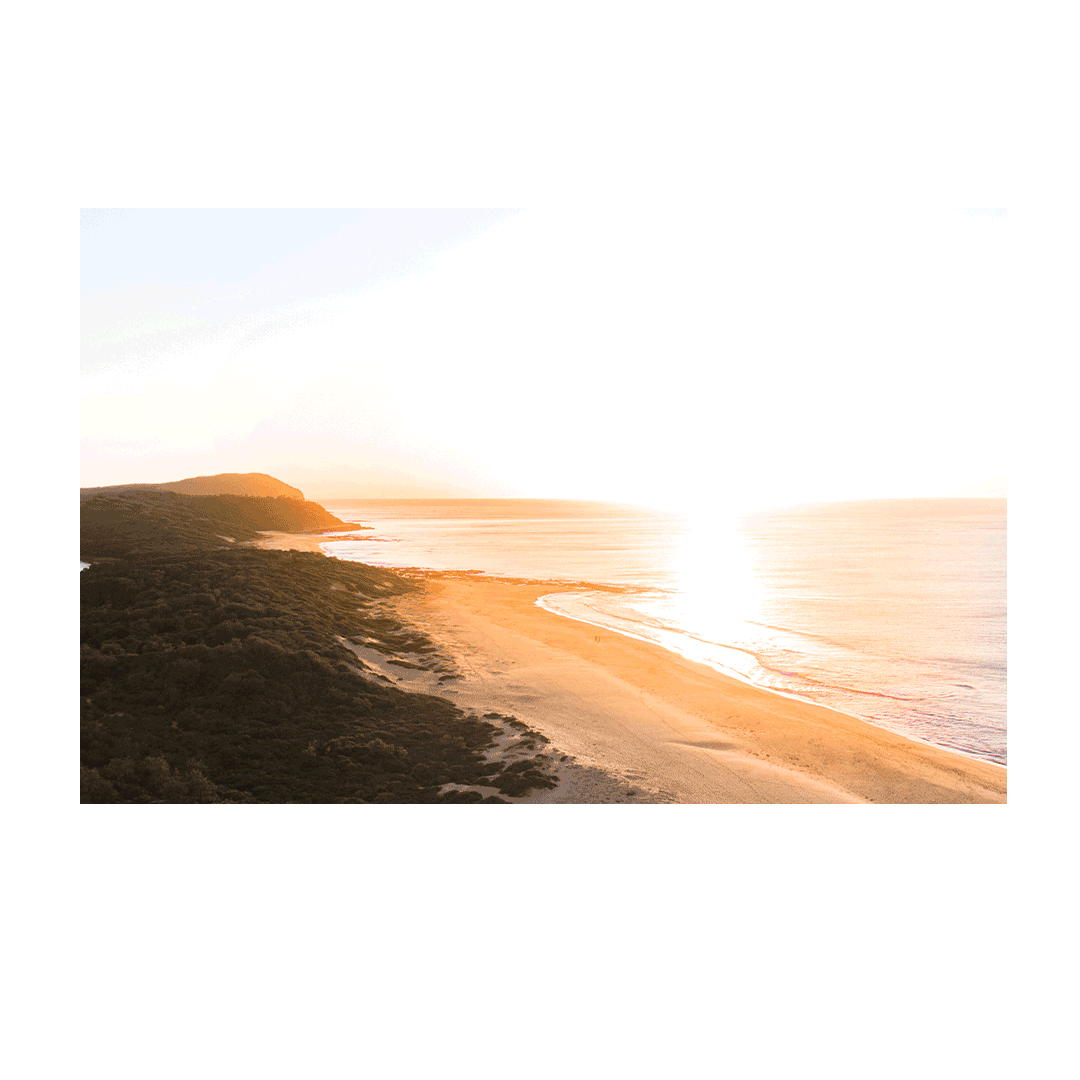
(893, 611)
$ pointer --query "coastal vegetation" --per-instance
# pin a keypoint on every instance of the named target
(212, 671)
(123, 522)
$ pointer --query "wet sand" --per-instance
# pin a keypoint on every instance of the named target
(674, 729)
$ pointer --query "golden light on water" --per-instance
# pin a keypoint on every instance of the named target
(713, 571)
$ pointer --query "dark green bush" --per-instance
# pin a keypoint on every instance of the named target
(214, 673)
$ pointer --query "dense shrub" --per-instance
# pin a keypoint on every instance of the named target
(215, 673)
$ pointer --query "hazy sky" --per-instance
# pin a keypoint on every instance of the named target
(736, 355)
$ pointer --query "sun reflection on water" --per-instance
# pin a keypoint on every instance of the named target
(718, 590)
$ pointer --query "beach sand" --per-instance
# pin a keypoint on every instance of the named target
(672, 729)
(283, 541)
(629, 721)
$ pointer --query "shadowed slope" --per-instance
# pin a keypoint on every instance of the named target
(212, 671)
(116, 523)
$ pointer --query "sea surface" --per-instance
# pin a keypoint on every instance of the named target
(893, 611)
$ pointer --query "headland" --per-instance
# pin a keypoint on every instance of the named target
(225, 658)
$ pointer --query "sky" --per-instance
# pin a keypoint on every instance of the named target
(733, 356)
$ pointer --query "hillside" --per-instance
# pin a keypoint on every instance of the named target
(216, 672)
(118, 522)
(257, 485)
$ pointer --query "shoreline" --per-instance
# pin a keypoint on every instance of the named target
(647, 718)
(675, 726)
(790, 695)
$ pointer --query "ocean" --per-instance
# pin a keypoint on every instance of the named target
(893, 611)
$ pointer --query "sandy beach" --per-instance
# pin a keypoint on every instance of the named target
(284, 541)
(674, 729)
(630, 721)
